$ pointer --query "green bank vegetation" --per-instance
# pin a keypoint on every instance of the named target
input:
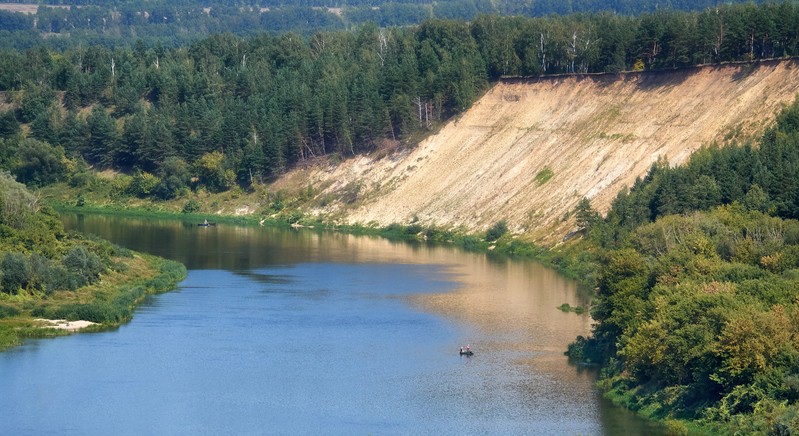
(698, 289)
(48, 273)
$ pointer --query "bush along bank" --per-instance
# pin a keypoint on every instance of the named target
(47, 273)
(106, 304)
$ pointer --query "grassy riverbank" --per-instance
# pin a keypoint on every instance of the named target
(109, 303)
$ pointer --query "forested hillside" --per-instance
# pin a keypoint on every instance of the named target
(227, 111)
(65, 23)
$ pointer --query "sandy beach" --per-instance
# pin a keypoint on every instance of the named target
(62, 324)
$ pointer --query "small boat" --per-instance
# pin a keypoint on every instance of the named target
(206, 224)
(466, 352)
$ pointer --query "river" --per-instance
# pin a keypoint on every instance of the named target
(304, 332)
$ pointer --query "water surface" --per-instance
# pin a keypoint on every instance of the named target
(299, 332)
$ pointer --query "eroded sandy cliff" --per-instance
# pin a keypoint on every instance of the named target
(530, 149)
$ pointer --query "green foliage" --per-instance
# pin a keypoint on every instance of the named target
(586, 216)
(83, 264)
(397, 231)
(696, 317)
(39, 163)
(16, 203)
(9, 126)
(142, 184)
(543, 176)
(82, 178)
(757, 199)
(117, 306)
(497, 230)
(35, 100)
(16, 273)
(566, 307)
(6, 311)
(212, 172)
(174, 178)
(120, 186)
(191, 206)
(469, 243)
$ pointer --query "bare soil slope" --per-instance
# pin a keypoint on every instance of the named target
(530, 149)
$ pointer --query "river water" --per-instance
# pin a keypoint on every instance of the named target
(295, 332)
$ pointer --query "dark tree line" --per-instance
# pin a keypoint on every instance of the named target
(246, 109)
(174, 23)
(251, 107)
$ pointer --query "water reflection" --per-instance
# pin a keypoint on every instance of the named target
(518, 382)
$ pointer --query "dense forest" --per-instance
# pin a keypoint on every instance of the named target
(698, 312)
(174, 23)
(228, 111)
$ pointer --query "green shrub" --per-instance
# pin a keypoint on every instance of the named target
(120, 251)
(191, 206)
(120, 186)
(16, 202)
(437, 235)
(543, 176)
(143, 184)
(8, 338)
(39, 163)
(83, 264)
(293, 217)
(40, 271)
(168, 188)
(81, 179)
(16, 272)
(469, 243)
(98, 311)
(6, 311)
(497, 230)
(60, 279)
(413, 229)
(393, 230)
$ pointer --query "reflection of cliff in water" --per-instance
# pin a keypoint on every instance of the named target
(243, 248)
(507, 310)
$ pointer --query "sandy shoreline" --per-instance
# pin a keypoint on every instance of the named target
(62, 324)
